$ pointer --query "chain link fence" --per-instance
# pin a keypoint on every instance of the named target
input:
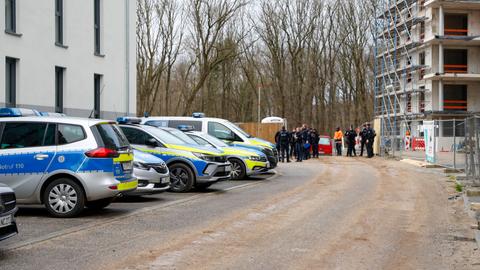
(472, 149)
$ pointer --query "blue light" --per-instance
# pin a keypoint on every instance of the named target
(128, 120)
(185, 128)
(52, 114)
(198, 115)
(17, 112)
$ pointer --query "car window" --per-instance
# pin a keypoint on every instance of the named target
(200, 141)
(157, 123)
(324, 141)
(69, 134)
(50, 135)
(112, 137)
(222, 132)
(197, 125)
(136, 136)
(21, 135)
(165, 136)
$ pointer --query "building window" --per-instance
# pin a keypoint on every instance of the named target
(59, 22)
(10, 82)
(455, 98)
(97, 26)
(422, 30)
(456, 61)
(421, 100)
(10, 16)
(59, 83)
(97, 85)
(456, 25)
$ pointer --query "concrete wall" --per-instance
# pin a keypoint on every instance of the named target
(38, 56)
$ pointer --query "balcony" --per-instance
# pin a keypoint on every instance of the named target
(455, 105)
(450, 68)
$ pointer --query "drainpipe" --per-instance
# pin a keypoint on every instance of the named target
(441, 28)
(127, 57)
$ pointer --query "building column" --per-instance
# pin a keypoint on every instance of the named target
(440, 95)
(441, 21)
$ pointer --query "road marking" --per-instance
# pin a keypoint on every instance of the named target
(139, 211)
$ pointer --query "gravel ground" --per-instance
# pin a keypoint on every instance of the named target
(331, 213)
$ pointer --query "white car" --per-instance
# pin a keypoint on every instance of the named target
(64, 163)
(151, 172)
(8, 208)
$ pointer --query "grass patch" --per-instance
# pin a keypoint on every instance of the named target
(458, 187)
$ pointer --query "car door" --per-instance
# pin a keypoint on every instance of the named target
(26, 150)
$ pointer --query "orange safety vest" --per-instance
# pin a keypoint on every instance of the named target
(338, 135)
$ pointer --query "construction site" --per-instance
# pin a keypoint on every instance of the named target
(427, 68)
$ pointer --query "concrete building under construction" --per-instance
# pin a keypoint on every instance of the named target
(427, 65)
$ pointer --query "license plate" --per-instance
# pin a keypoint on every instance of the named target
(166, 180)
(5, 221)
(127, 166)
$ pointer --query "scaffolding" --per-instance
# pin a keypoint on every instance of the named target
(399, 69)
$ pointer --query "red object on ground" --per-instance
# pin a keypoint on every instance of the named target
(325, 145)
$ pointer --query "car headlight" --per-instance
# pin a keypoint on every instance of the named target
(205, 157)
(140, 165)
(255, 158)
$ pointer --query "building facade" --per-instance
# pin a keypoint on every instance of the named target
(427, 63)
(71, 56)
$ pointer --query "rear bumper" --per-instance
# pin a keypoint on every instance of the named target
(104, 185)
(214, 172)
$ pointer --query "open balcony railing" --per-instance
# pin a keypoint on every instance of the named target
(450, 68)
(455, 32)
(455, 105)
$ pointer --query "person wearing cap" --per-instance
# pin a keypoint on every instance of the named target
(363, 139)
(338, 136)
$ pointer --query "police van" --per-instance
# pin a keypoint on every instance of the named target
(219, 128)
(64, 163)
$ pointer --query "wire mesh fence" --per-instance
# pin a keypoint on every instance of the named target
(444, 145)
(472, 149)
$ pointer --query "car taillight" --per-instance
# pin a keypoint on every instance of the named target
(102, 152)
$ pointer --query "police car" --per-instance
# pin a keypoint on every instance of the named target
(219, 128)
(245, 162)
(190, 165)
(151, 172)
(8, 208)
(64, 163)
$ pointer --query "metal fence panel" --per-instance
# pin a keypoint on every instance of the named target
(472, 149)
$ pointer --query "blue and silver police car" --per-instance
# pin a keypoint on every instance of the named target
(190, 165)
(64, 163)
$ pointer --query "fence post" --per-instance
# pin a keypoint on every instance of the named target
(454, 144)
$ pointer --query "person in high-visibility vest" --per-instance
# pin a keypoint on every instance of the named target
(338, 136)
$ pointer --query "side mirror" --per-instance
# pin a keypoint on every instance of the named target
(151, 142)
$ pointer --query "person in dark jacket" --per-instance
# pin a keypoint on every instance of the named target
(363, 139)
(292, 144)
(299, 145)
(315, 138)
(370, 139)
(284, 142)
(350, 136)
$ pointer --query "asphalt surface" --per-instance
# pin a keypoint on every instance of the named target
(332, 213)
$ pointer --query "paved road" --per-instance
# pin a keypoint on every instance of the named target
(332, 213)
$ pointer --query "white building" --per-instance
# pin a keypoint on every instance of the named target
(70, 56)
(428, 64)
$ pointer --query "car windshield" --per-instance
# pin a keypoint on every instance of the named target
(215, 141)
(165, 136)
(237, 128)
(182, 136)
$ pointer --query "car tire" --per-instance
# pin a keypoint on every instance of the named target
(238, 169)
(64, 198)
(99, 204)
(181, 178)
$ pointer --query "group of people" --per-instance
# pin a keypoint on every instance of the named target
(366, 136)
(301, 143)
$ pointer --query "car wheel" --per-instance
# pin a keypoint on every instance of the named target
(181, 178)
(99, 204)
(64, 198)
(238, 169)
